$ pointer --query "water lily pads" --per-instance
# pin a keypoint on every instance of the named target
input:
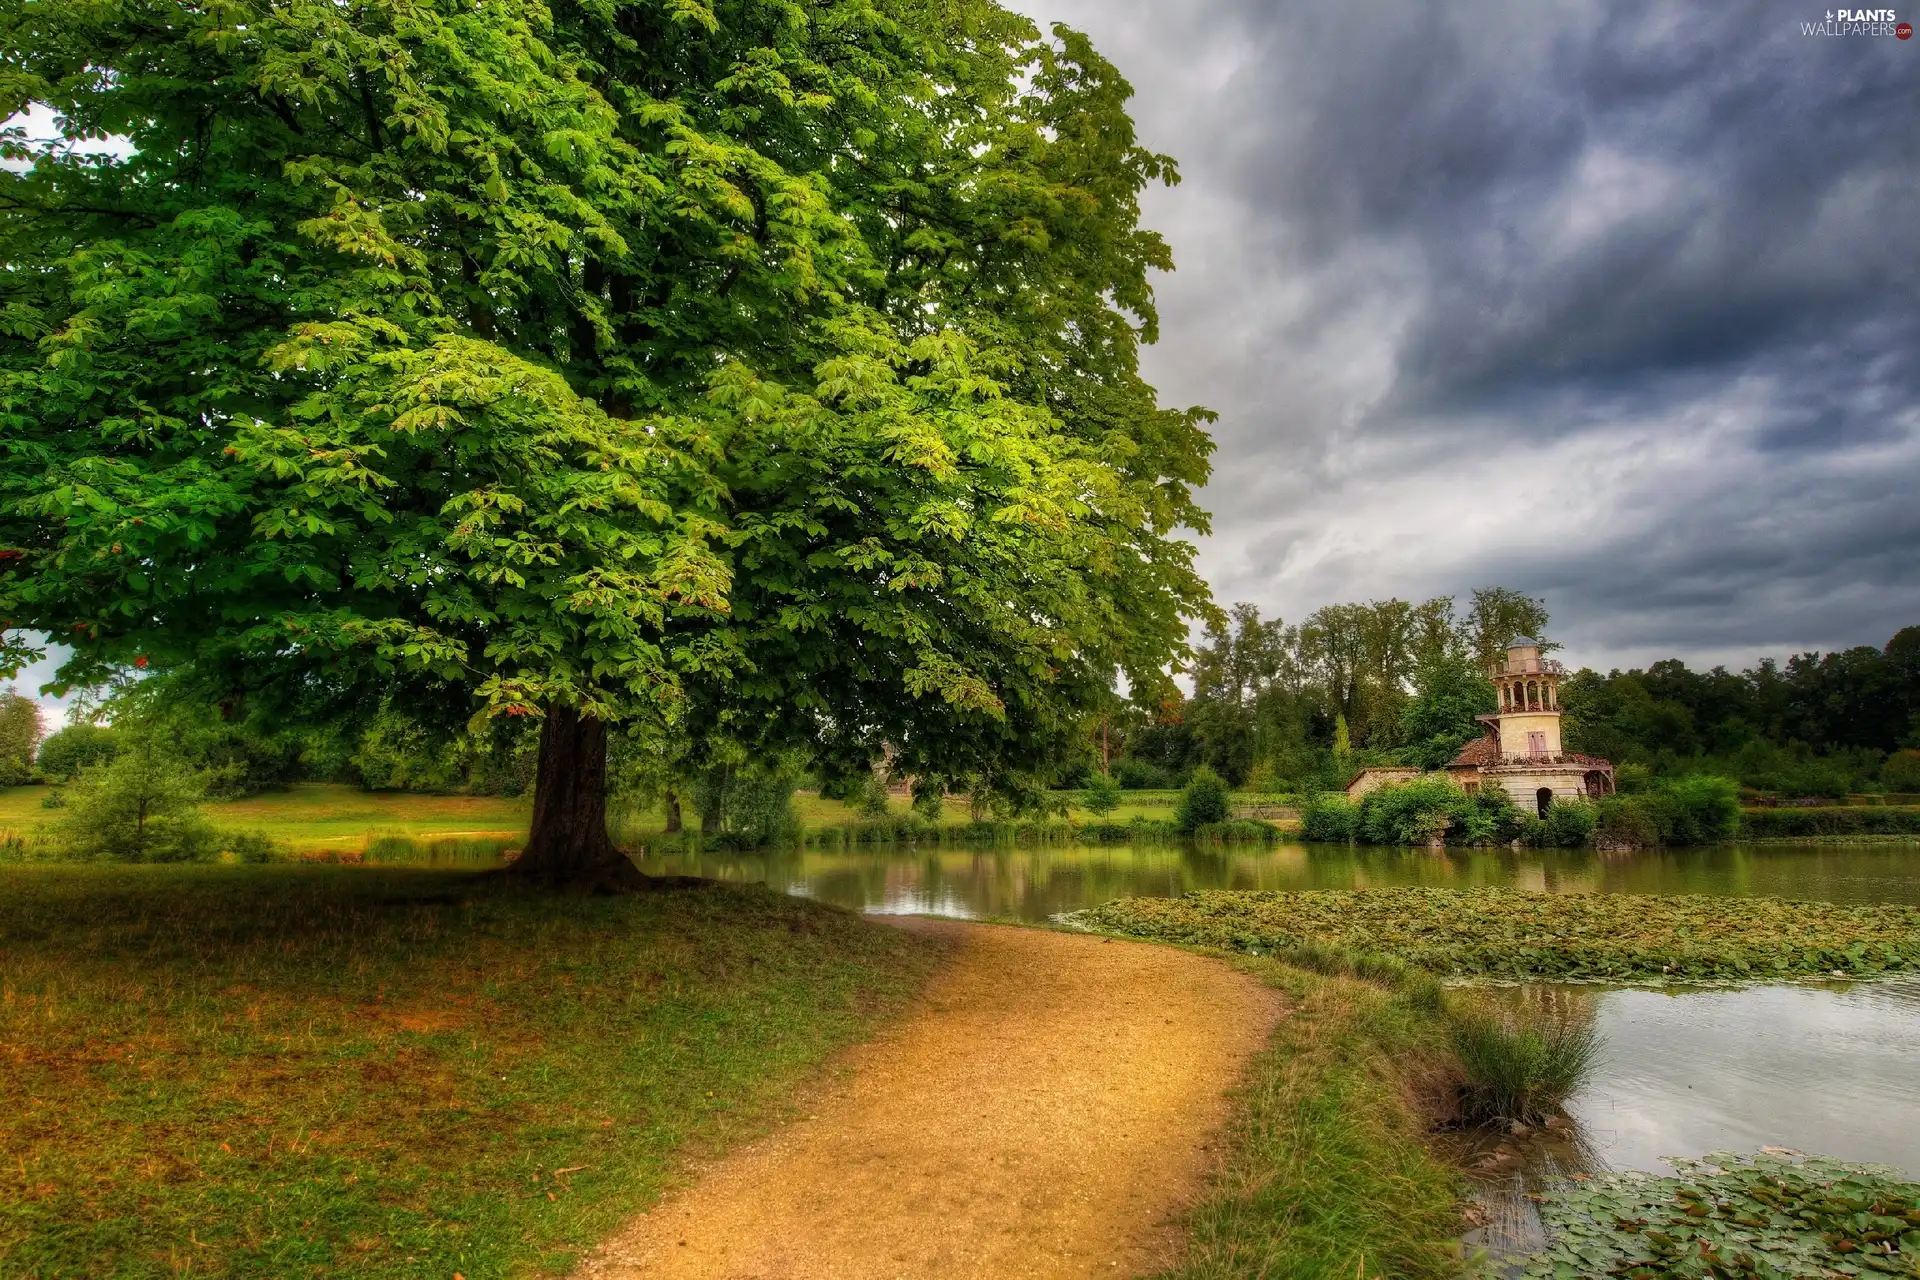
(1515, 935)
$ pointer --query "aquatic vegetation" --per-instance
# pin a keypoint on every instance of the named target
(1521, 1063)
(1772, 1214)
(1512, 934)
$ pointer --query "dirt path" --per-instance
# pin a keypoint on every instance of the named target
(1045, 1112)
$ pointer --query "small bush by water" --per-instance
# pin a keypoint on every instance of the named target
(1772, 1214)
(1512, 934)
(1203, 803)
(1521, 1063)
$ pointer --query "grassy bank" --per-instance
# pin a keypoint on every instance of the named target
(1513, 934)
(315, 816)
(316, 1071)
(1327, 1173)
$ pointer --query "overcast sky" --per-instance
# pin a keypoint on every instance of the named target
(1614, 304)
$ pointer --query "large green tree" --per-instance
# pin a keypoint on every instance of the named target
(758, 370)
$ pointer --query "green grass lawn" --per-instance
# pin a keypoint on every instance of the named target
(334, 1071)
(331, 819)
(319, 815)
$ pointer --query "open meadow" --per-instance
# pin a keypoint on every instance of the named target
(336, 1071)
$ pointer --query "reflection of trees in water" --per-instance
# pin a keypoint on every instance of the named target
(1036, 882)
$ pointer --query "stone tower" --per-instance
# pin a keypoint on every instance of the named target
(1529, 688)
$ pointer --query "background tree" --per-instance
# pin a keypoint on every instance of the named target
(1497, 616)
(67, 751)
(765, 375)
(140, 806)
(1102, 797)
(1439, 719)
(20, 730)
(1203, 801)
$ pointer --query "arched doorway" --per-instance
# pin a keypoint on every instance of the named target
(1543, 798)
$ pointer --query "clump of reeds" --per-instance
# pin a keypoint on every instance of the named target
(1522, 1063)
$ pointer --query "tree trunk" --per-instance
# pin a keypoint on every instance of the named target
(568, 843)
(673, 813)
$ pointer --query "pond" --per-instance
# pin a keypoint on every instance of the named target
(1033, 884)
(1826, 1068)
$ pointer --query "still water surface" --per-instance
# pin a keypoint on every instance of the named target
(1035, 883)
(1833, 1069)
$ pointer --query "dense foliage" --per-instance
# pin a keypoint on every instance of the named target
(1407, 681)
(1856, 820)
(21, 727)
(140, 806)
(1819, 725)
(1204, 801)
(1513, 934)
(73, 748)
(1270, 698)
(1775, 1214)
(1436, 810)
(757, 373)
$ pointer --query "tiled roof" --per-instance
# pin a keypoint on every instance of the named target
(1480, 752)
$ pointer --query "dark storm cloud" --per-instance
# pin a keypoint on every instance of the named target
(1615, 303)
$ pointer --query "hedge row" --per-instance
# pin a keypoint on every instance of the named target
(1865, 820)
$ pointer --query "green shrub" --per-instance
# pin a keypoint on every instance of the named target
(248, 846)
(1328, 818)
(1625, 823)
(873, 799)
(1142, 775)
(1831, 820)
(54, 799)
(760, 808)
(1102, 796)
(398, 753)
(1410, 812)
(1569, 824)
(1901, 772)
(1203, 801)
(142, 806)
(1521, 1065)
(1701, 809)
(73, 748)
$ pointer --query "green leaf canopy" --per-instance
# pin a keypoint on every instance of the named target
(765, 367)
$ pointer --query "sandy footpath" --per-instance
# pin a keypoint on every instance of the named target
(1046, 1110)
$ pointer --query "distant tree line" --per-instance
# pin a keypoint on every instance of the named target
(1294, 706)
(1299, 706)
(1821, 724)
